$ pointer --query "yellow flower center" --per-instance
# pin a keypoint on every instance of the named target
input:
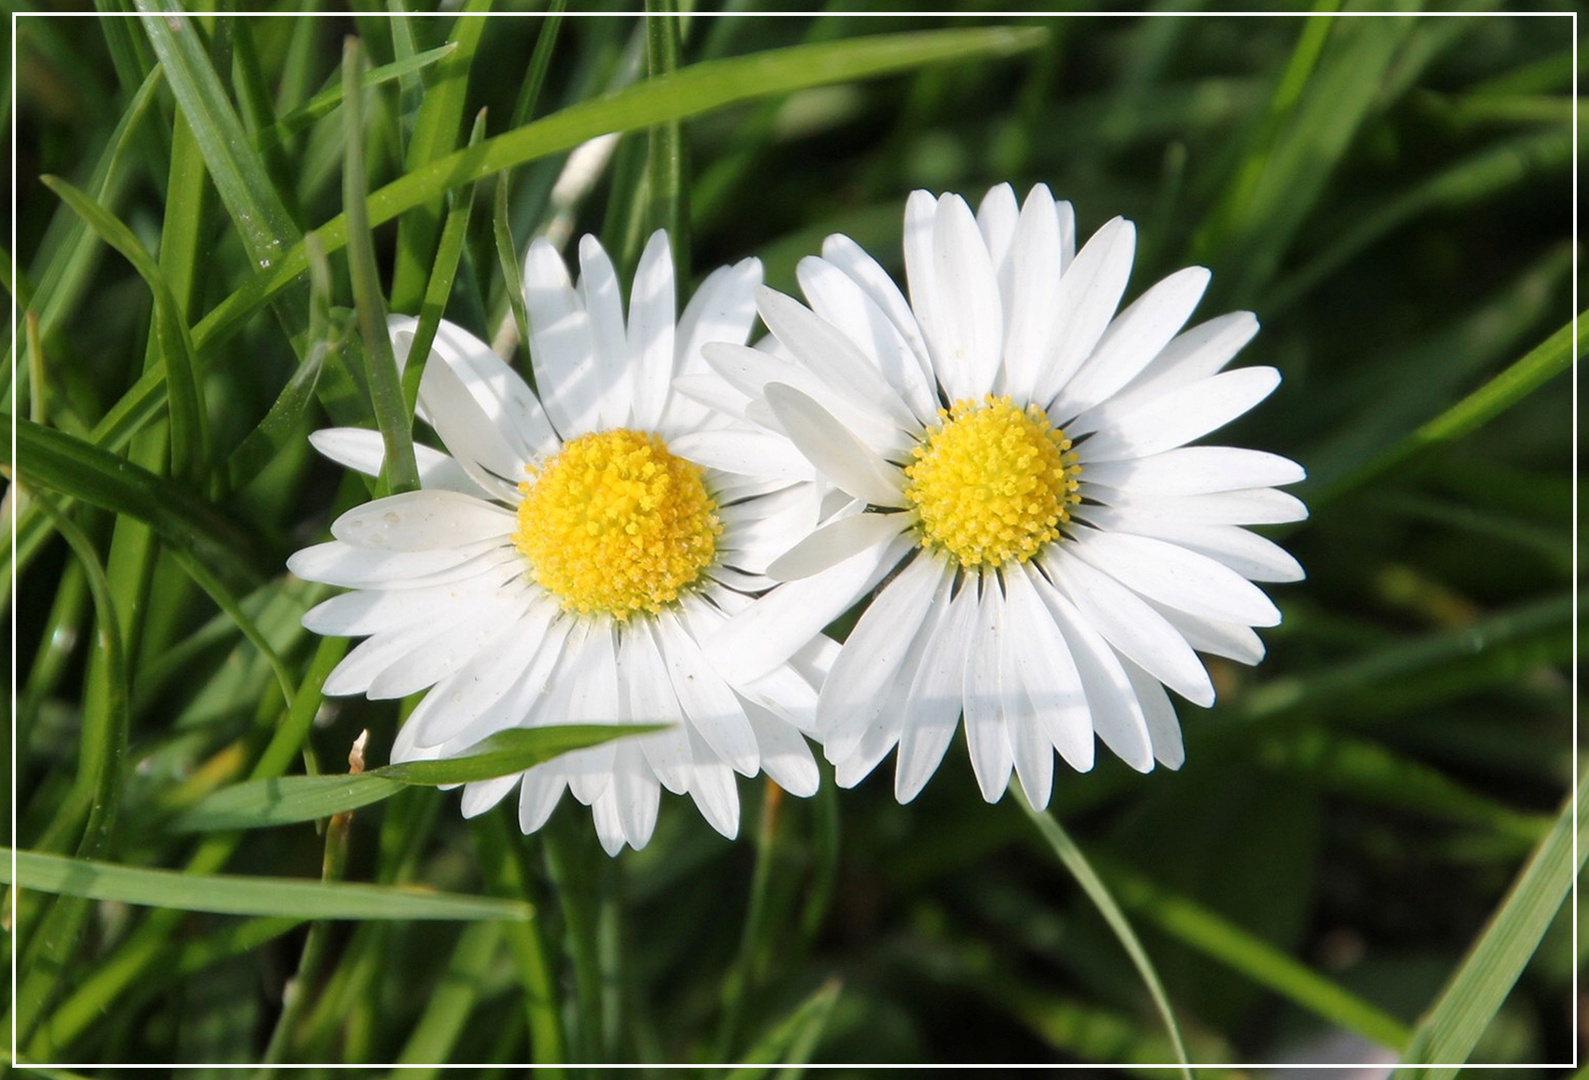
(992, 482)
(615, 523)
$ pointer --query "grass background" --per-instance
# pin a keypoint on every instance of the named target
(1329, 878)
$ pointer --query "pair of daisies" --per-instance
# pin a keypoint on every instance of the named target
(662, 532)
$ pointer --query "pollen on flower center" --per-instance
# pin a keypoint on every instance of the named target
(615, 523)
(992, 482)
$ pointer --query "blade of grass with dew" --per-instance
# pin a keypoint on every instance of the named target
(284, 800)
(688, 92)
(392, 416)
(71, 466)
(1213, 935)
(792, 1040)
(1076, 862)
(229, 894)
(281, 425)
(176, 344)
(439, 287)
(240, 176)
(437, 128)
(1467, 1004)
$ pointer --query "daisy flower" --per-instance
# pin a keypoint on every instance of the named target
(1014, 460)
(568, 554)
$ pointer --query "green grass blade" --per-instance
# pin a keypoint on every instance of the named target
(667, 197)
(289, 799)
(326, 101)
(171, 329)
(439, 288)
(1459, 1016)
(386, 388)
(793, 1038)
(239, 173)
(1544, 362)
(1076, 862)
(281, 424)
(436, 1032)
(694, 90)
(437, 128)
(1241, 950)
(58, 461)
(226, 894)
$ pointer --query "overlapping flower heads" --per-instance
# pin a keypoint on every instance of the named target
(664, 531)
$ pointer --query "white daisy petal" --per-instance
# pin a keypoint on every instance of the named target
(969, 341)
(1247, 506)
(888, 644)
(598, 289)
(482, 795)
(844, 303)
(834, 449)
(651, 333)
(714, 710)
(542, 787)
(594, 699)
(1196, 470)
(862, 269)
(835, 542)
(422, 521)
(495, 387)
(1089, 291)
(1194, 355)
(997, 216)
(476, 442)
(785, 756)
(829, 354)
(751, 371)
(1178, 417)
(336, 563)
(562, 352)
(921, 212)
(1046, 668)
(747, 453)
(363, 450)
(1248, 554)
(713, 789)
(1133, 340)
(1127, 622)
(510, 672)
(635, 795)
(1170, 574)
(937, 693)
(447, 652)
(1034, 282)
(1160, 714)
(371, 611)
(1230, 640)
(992, 756)
(768, 633)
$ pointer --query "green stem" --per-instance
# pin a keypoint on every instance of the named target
(739, 976)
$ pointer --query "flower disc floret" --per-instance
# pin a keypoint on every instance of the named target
(615, 523)
(992, 482)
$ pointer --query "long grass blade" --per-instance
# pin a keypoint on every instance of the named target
(226, 894)
(1082, 870)
(289, 799)
(1452, 1026)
